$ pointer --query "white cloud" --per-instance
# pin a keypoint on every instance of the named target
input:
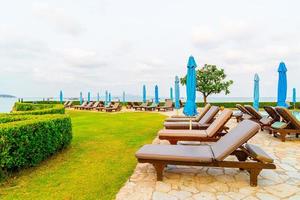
(58, 18)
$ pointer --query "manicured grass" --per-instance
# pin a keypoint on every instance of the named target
(95, 166)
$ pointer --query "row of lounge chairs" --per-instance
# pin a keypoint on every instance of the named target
(279, 122)
(97, 105)
(211, 127)
(151, 106)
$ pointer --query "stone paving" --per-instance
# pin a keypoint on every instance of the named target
(195, 183)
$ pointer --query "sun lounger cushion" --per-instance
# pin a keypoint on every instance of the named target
(210, 114)
(201, 153)
(233, 140)
(258, 153)
(182, 133)
(279, 125)
(266, 120)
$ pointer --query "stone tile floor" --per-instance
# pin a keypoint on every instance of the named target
(195, 183)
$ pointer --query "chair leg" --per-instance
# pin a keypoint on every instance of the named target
(159, 170)
(253, 176)
(282, 136)
(173, 142)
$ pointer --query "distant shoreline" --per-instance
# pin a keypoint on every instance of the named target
(7, 96)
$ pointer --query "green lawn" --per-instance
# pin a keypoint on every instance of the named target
(97, 164)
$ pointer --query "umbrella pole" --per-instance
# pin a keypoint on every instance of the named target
(177, 112)
(190, 123)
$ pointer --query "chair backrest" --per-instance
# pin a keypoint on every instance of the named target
(66, 103)
(219, 122)
(90, 104)
(234, 139)
(96, 104)
(242, 109)
(253, 112)
(203, 112)
(288, 117)
(209, 115)
(84, 103)
(169, 103)
(272, 113)
(116, 105)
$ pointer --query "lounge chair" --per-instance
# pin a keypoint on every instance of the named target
(69, 104)
(168, 106)
(151, 107)
(290, 124)
(142, 106)
(183, 118)
(94, 106)
(273, 117)
(66, 103)
(264, 121)
(88, 106)
(212, 133)
(115, 107)
(245, 113)
(249, 157)
(81, 106)
(103, 106)
(135, 105)
(202, 124)
(129, 105)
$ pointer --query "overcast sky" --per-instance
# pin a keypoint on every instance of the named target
(100, 45)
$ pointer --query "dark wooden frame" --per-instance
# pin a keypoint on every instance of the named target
(254, 167)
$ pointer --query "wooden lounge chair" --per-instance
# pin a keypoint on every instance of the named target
(103, 106)
(94, 106)
(249, 157)
(183, 118)
(82, 105)
(264, 121)
(151, 107)
(289, 126)
(69, 104)
(245, 113)
(168, 106)
(142, 106)
(129, 105)
(135, 105)
(88, 106)
(273, 117)
(115, 107)
(211, 134)
(66, 103)
(204, 122)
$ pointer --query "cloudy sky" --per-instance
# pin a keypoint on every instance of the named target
(100, 45)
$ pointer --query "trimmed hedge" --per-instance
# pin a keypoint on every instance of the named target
(26, 141)
(32, 133)
(37, 109)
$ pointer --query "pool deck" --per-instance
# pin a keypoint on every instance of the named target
(195, 183)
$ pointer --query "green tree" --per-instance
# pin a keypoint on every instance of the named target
(210, 80)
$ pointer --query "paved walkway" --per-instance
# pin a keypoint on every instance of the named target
(195, 183)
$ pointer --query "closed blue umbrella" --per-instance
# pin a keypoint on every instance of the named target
(177, 93)
(171, 93)
(282, 85)
(144, 94)
(98, 96)
(89, 97)
(109, 97)
(80, 98)
(190, 108)
(256, 92)
(156, 94)
(106, 97)
(294, 97)
(123, 97)
(61, 98)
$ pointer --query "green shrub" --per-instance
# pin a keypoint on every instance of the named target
(27, 140)
(37, 109)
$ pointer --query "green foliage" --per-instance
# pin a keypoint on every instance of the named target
(210, 80)
(98, 163)
(26, 141)
(37, 109)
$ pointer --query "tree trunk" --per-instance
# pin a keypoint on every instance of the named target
(205, 99)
